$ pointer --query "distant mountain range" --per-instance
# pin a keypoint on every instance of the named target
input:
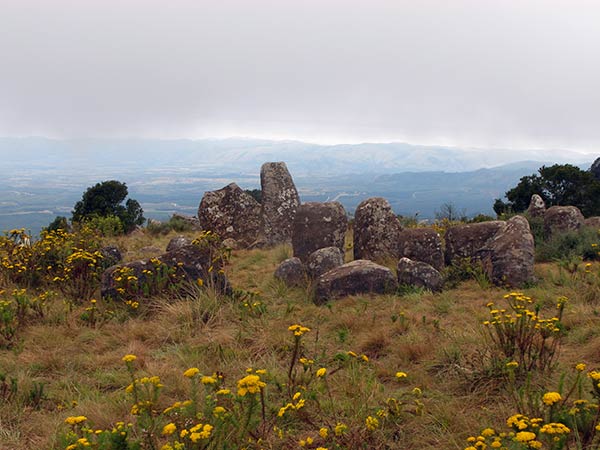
(41, 178)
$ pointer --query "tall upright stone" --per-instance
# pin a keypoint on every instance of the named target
(231, 213)
(537, 206)
(318, 225)
(376, 230)
(280, 201)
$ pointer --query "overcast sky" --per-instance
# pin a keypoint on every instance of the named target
(454, 72)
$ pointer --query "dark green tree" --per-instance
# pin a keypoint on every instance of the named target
(560, 184)
(106, 199)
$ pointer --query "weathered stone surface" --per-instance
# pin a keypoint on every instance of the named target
(560, 219)
(292, 272)
(191, 262)
(463, 241)
(421, 244)
(280, 201)
(356, 277)
(178, 242)
(508, 257)
(111, 255)
(419, 274)
(192, 222)
(592, 222)
(231, 213)
(230, 243)
(318, 225)
(376, 230)
(323, 260)
(595, 169)
(537, 207)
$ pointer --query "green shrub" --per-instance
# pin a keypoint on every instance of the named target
(568, 245)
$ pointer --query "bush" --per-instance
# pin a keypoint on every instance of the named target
(174, 224)
(565, 246)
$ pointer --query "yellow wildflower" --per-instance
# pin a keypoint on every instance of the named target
(550, 398)
(129, 358)
(321, 372)
(169, 429)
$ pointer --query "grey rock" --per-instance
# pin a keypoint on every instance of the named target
(280, 201)
(318, 225)
(356, 277)
(323, 260)
(508, 258)
(178, 242)
(376, 230)
(463, 241)
(421, 244)
(537, 207)
(231, 213)
(419, 274)
(560, 219)
(292, 272)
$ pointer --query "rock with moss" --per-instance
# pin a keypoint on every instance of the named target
(376, 230)
(178, 242)
(356, 277)
(292, 272)
(323, 260)
(318, 225)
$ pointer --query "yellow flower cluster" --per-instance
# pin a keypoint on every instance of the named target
(250, 384)
(298, 330)
(550, 398)
(292, 406)
(371, 423)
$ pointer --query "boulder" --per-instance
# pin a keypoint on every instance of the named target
(421, 244)
(592, 222)
(192, 222)
(537, 207)
(230, 243)
(356, 277)
(560, 219)
(111, 255)
(323, 260)
(292, 272)
(376, 230)
(231, 213)
(463, 241)
(419, 274)
(279, 202)
(318, 225)
(178, 242)
(508, 257)
(187, 264)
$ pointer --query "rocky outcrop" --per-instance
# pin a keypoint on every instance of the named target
(508, 257)
(357, 277)
(376, 230)
(537, 207)
(323, 260)
(279, 202)
(178, 242)
(318, 225)
(421, 244)
(231, 213)
(463, 241)
(560, 219)
(292, 272)
(419, 274)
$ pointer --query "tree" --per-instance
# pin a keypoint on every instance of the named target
(105, 200)
(450, 212)
(560, 184)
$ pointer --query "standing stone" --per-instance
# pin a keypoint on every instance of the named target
(419, 274)
(508, 257)
(356, 277)
(376, 230)
(421, 244)
(323, 260)
(463, 241)
(292, 272)
(230, 213)
(280, 201)
(318, 225)
(560, 219)
(537, 207)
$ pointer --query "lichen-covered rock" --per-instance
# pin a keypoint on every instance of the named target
(292, 272)
(279, 202)
(356, 277)
(421, 244)
(231, 213)
(111, 255)
(231, 244)
(592, 222)
(318, 225)
(463, 241)
(178, 242)
(323, 260)
(419, 274)
(560, 219)
(508, 257)
(376, 230)
(537, 206)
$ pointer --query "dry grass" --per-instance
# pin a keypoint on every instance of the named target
(435, 338)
